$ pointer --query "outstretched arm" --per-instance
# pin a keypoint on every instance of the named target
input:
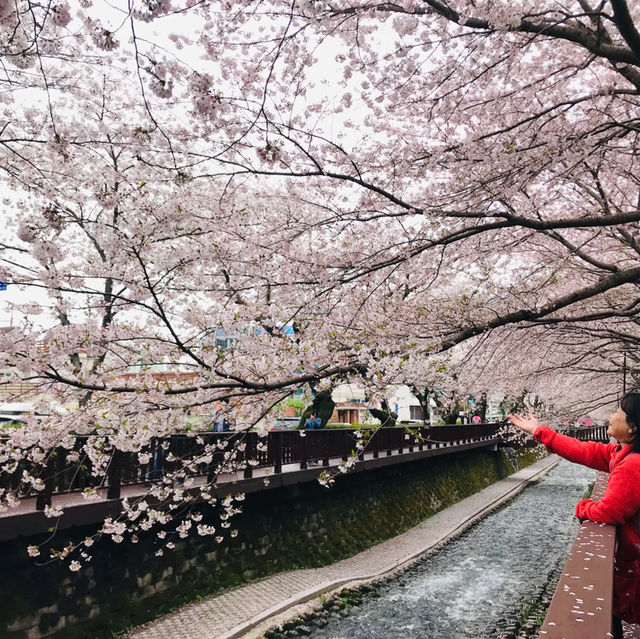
(593, 454)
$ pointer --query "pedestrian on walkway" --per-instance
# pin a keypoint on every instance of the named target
(620, 504)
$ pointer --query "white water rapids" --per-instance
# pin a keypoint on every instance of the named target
(487, 574)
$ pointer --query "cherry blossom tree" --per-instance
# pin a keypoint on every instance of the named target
(260, 196)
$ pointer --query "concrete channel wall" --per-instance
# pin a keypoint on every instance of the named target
(291, 527)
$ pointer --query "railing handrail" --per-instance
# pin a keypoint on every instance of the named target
(582, 602)
(282, 448)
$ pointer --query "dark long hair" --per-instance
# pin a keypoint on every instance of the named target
(630, 404)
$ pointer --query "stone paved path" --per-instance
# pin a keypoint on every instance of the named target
(235, 613)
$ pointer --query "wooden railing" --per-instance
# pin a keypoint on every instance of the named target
(278, 449)
(596, 433)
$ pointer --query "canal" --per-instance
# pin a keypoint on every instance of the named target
(476, 582)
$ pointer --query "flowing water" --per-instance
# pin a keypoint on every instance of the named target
(485, 575)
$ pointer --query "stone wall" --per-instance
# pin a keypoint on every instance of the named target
(281, 529)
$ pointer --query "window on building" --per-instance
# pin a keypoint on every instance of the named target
(415, 412)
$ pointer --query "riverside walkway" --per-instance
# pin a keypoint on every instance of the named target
(248, 611)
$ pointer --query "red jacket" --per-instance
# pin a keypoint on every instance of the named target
(619, 505)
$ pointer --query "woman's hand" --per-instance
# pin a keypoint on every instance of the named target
(528, 423)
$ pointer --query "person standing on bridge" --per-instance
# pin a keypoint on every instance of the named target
(620, 504)
(314, 422)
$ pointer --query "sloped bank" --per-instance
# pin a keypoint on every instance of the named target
(294, 527)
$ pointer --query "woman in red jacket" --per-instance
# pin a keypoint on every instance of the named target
(620, 503)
